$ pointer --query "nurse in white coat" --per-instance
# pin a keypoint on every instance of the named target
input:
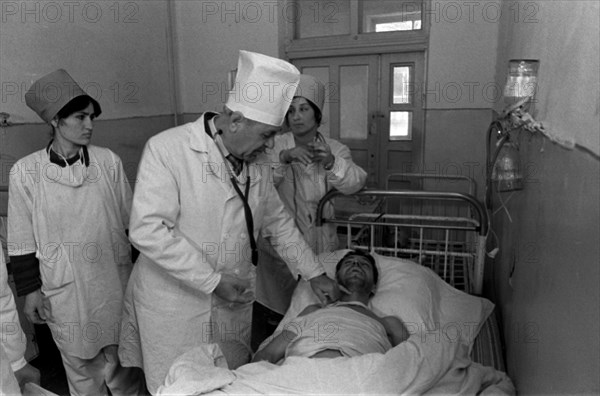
(14, 370)
(306, 165)
(199, 202)
(68, 212)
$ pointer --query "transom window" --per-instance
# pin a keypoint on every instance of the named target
(318, 27)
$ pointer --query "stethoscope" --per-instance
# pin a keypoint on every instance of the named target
(244, 196)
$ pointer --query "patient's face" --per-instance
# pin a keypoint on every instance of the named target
(356, 272)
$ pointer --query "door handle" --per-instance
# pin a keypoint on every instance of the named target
(374, 122)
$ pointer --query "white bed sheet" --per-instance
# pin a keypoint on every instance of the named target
(435, 359)
(412, 367)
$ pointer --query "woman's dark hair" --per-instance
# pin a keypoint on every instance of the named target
(317, 111)
(77, 104)
(318, 115)
(360, 253)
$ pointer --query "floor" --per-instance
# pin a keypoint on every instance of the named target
(49, 362)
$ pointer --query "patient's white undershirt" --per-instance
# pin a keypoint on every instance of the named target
(337, 327)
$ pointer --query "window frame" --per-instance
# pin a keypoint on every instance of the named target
(356, 43)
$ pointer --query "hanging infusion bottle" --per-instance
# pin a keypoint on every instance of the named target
(507, 170)
(521, 81)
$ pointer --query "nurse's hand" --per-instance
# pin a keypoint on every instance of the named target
(325, 288)
(296, 154)
(34, 307)
(322, 154)
(234, 290)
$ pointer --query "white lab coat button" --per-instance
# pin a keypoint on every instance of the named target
(227, 235)
(243, 235)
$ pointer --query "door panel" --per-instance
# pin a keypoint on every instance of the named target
(402, 116)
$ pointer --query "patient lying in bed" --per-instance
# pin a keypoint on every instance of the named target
(344, 328)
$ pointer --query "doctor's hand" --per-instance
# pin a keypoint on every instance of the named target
(34, 307)
(325, 288)
(234, 290)
(27, 374)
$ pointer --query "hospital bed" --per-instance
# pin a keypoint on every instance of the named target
(429, 248)
(444, 231)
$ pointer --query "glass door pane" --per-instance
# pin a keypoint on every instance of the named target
(354, 112)
(400, 125)
(401, 85)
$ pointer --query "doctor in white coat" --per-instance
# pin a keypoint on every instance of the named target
(198, 205)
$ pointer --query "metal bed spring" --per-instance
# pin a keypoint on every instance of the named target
(452, 246)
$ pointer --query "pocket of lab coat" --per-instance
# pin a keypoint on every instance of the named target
(55, 266)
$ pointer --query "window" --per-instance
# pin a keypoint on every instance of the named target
(322, 27)
(390, 16)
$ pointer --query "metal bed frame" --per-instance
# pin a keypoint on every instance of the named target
(452, 246)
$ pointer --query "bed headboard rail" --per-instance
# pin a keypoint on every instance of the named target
(377, 220)
(482, 218)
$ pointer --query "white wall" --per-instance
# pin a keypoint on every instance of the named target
(462, 54)
(116, 50)
(209, 35)
(461, 87)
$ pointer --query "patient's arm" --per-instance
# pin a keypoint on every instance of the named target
(395, 329)
(275, 350)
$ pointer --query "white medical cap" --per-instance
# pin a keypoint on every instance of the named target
(48, 95)
(264, 88)
(311, 89)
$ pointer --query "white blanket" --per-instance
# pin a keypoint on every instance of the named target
(417, 366)
(337, 327)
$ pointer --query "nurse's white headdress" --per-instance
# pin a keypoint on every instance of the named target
(311, 89)
(264, 88)
(48, 95)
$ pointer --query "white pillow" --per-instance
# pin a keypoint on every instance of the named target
(415, 294)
